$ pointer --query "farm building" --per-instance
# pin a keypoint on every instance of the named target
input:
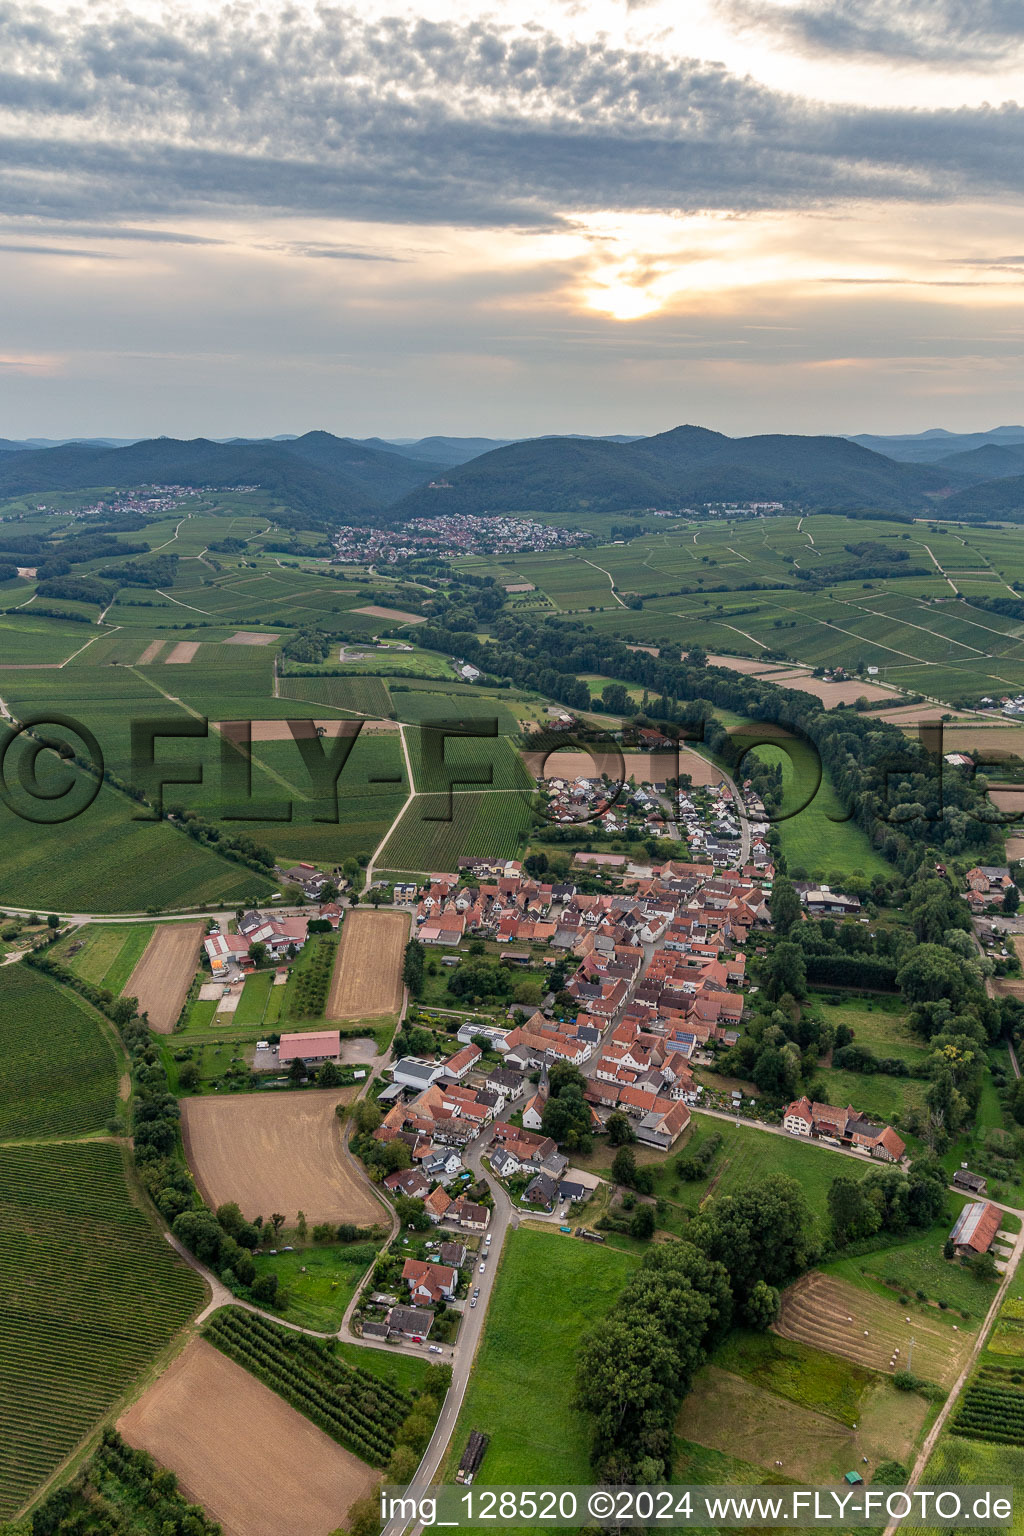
(462, 1062)
(313, 1048)
(225, 950)
(975, 1228)
(975, 1182)
(412, 1073)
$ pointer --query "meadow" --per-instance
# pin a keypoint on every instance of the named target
(92, 1295)
(521, 1389)
(58, 1064)
(745, 1156)
(104, 954)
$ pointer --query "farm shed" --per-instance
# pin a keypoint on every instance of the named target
(317, 1046)
(975, 1228)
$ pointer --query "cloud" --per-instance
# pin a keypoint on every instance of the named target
(473, 124)
(56, 250)
(971, 34)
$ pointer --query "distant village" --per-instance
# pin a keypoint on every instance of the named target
(451, 536)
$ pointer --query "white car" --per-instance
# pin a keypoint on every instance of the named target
(435, 1349)
(473, 1302)
(482, 1268)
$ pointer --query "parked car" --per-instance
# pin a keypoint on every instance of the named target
(435, 1349)
(482, 1268)
(473, 1302)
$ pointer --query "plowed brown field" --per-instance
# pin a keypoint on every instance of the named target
(368, 971)
(163, 976)
(240, 1451)
(276, 1152)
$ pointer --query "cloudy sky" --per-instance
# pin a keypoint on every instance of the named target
(566, 215)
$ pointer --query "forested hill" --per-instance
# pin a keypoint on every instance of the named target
(685, 467)
(330, 479)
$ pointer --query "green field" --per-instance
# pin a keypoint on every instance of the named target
(918, 1265)
(320, 1281)
(880, 1023)
(549, 1292)
(105, 954)
(58, 1065)
(816, 834)
(92, 1294)
(745, 1156)
(811, 1377)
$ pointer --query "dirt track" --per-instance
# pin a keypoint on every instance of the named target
(368, 971)
(276, 1152)
(163, 976)
(240, 1451)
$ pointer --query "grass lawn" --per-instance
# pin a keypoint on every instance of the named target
(320, 1280)
(880, 1023)
(201, 1014)
(104, 954)
(732, 1414)
(919, 1265)
(551, 1290)
(700, 1466)
(403, 1371)
(811, 1377)
(255, 998)
(745, 1156)
(812, 837)
(875, 1093)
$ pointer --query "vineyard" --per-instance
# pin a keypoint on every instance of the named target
(309, 980)
(363, 695)
(356, 1409)
(92, 1294)
(992, 1407)
(58, 1068)
(489, 825)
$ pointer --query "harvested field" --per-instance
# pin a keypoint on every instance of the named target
(278, 730)
(250, 637)
(254, 1463)
(276, 1152)
(831, 694)
(748, 664)
(397, 615)
(1001, 740)
(912, 714)
(1015, 848)
(368, 970)
(163, 976)
(650, 650)
(731, 1414)
(649, 767)
(831, 1314)
(151, 652)
(184, 651)
(1009, 801)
